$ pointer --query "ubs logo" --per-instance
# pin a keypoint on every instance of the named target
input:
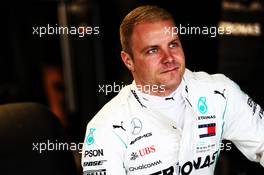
(143, 152)
(136, 126)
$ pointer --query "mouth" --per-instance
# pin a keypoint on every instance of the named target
(169, 70)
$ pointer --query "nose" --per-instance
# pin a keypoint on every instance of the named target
(166, 56)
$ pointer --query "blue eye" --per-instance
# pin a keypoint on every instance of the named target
(152, 51)
(173, 45)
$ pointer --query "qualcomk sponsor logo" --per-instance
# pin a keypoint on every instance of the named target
(145, 166)
(94, 153)
(95, 172)
(206, 117)
(142, 152)
(94, 163)
(206, 130)
(140, 137)
(189, 166)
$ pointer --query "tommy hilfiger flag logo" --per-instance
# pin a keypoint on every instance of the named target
(206, 130)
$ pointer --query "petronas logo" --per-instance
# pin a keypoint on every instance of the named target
(202, 105)
(90, 138)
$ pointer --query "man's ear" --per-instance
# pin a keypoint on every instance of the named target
(127, 59)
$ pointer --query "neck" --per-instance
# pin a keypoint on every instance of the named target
(163, 92)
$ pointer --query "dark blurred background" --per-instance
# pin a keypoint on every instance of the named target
(65, 72)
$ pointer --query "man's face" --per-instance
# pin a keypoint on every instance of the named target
(158, 57)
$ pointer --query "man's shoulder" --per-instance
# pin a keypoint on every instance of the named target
(205, 77)
(114, 109)
(119, 101)
(202, 81)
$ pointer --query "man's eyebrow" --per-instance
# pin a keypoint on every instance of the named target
(174, 40)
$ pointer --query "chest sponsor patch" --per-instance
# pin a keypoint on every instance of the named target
(207, 130)
(190, 166)
(143, 152)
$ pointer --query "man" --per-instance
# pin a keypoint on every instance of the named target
(169, 120)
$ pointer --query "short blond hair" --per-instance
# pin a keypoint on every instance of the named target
(148, 13)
